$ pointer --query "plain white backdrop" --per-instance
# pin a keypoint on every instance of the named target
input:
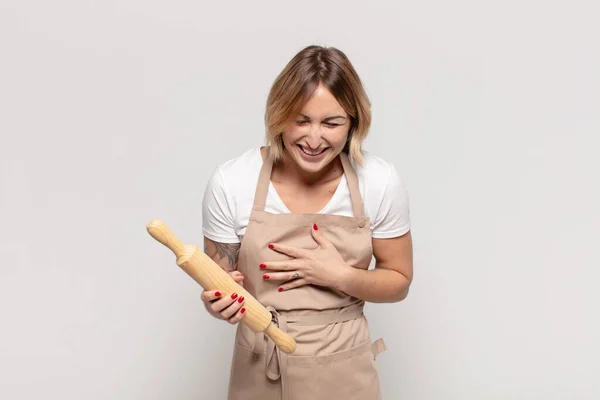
(116, 112)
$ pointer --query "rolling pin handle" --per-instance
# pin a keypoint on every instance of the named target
(162, 233)
(282, 340)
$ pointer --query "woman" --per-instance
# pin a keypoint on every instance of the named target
(313, 209)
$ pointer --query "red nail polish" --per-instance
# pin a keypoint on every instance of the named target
(271, 246)
(218, 294)
(233, 296)
(243, 310)
(263, 266)
(265, 276)
(241, 299)
(315, 227)
(281, 289)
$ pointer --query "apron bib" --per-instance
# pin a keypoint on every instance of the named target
(335, 357)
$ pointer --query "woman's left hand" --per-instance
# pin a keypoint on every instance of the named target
(323, 266)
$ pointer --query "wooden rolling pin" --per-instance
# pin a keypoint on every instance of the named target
(211, 276)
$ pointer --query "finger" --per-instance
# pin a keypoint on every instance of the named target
(238, 277)
(233, 308)
(210, 295)
(237, 317)
(289, 250)
(281, 276)
(319, 236)
(296, 283)
(287, 265)
(221, 304)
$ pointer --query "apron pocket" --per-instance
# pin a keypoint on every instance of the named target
(345, 375)
(248, 380)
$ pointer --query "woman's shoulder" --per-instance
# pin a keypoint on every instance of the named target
(242, 165)
(235, 178)
(375, 170)
(385, 196)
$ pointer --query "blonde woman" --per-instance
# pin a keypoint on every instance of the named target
(297, 222)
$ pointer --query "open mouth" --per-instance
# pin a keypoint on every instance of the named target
(311, 152)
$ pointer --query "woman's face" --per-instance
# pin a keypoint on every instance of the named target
(318, 134)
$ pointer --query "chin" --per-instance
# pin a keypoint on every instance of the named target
(310, 168)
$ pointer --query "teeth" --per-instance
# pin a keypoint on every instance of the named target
(310, 153)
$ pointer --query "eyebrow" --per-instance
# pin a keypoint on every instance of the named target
(326, 119)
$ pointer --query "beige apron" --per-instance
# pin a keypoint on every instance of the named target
(335, 358)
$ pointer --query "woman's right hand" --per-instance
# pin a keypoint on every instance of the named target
(229, 308)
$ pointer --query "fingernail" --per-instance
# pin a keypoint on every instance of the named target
(315, 227)
(281, 289)
(241, 299)
(233, 296)
(265, 276)
(218, 294)
(271, 246)
(263, 266)
(243, 310)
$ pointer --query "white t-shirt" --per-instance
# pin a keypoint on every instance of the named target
(229, 197)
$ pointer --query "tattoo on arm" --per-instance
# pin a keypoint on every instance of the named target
(229, 250)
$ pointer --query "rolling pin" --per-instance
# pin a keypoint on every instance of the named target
(211, 276)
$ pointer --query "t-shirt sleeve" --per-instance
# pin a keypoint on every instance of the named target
(393, 216)
(217, 211)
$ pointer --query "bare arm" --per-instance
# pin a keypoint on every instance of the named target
(224, 254)
(390, 280)
(230, 307)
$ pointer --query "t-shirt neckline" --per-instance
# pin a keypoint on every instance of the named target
(325, 208)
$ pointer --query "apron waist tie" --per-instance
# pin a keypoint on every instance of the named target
(275, 359)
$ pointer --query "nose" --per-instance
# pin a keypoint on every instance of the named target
(313, 139)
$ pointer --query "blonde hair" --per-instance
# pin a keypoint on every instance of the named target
(299, 79)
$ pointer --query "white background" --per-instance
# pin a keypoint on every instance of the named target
(116, 112)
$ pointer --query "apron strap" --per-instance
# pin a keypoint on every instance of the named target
(325, 319)
(264, 178)
(378, 347)
(275, 359)
(358, 207)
